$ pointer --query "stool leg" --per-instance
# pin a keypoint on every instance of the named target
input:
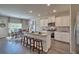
(30, 44)
(24, 41)
(27, 42)
(41, 46)
(33, 45)
(21, 40)
(36, 45)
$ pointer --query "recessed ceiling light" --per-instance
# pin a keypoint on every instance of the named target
(39, 15)
(30, 11)
(54, 10)
(48, 4)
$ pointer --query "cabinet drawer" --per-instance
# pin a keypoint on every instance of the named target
(65, 37)
(57, 36)
(62, 36)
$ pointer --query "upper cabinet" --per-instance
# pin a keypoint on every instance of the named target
(51, 19)
(63, 21)
(58, 21)
(44, 22)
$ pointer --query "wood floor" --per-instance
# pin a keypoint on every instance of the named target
(15, 47)
(59, 47)
(77, 49)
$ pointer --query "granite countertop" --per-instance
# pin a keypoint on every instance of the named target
(62, 31)
(37, 34)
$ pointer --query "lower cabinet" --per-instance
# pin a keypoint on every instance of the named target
(62, 36)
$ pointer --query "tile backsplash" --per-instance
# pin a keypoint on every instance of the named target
(63, 28)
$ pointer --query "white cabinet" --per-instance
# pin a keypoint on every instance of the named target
(65, 36)
(63, 21)
(44, 22)
(51, 19)
(58, 21)
(41, 23)
(62, 36)
(58, 36)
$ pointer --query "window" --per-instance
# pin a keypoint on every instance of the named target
(14, 27)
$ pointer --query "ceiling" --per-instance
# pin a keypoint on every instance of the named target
(22, 10)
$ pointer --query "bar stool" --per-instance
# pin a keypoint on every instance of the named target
(29, 42)
(38, 45)
(23, 40)
(32, 43)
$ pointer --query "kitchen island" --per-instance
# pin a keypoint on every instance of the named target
(44, 36)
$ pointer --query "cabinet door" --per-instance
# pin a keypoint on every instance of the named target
(41, 22)
(58, 21)
(46, 22)
(65, 21)
(62, 36)
(58, 36)
(51, 19)
(65, 37)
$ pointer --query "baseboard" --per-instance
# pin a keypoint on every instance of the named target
(2, 37)
(62, 41)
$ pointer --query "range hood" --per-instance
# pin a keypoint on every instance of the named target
(51, 24)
